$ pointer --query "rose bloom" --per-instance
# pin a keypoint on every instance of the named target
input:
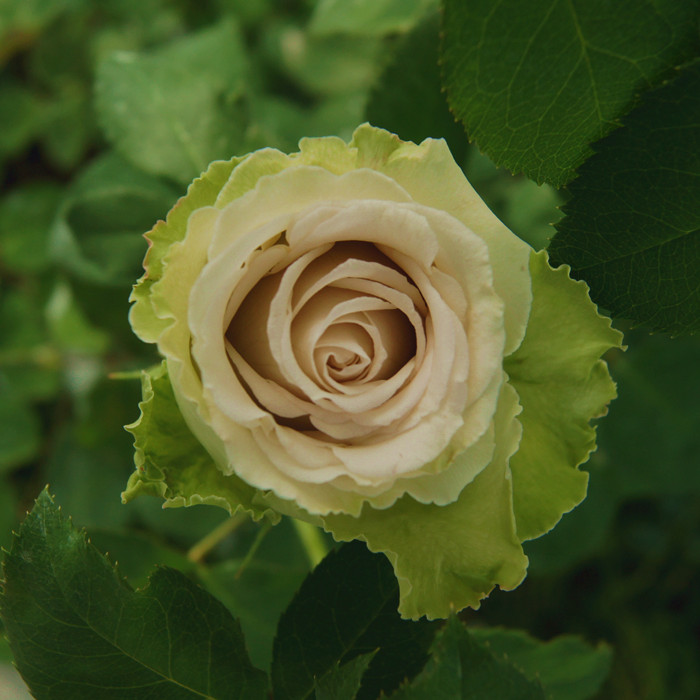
(351, 337)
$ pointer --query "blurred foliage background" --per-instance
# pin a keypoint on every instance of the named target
(108, 109)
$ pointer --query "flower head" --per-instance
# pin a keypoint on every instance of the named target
(352, 337)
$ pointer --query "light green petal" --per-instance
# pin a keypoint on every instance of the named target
(329, 152)
(428, 172)
(562, 384)
(201, 193)
(172, 464)
(450, 557)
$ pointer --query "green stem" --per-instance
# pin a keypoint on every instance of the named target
(312, 540)
(264, 529)
(199, 551)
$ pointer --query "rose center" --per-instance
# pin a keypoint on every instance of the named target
(337, 321)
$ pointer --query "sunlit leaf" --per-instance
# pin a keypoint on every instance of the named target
(368, 17)
(171, 112)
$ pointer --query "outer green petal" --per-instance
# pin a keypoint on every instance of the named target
(172, 464)
(562, 384)
(450, 557)
(201, 193)
(329, 152)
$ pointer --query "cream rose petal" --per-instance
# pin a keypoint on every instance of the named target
(337, 325)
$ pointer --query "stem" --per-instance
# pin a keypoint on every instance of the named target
(264, 529)
(311, 540)
(200, 550)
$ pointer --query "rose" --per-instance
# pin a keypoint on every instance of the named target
(351, 335)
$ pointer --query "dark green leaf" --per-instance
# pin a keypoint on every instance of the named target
(137, 553)
(650, 441)
(87, 477)
(25, 218)
(71, 127)
(632, 225)
(78, 631)
(582, 532)
(535, 83)
(22, 116)
(345, 608)
(29, 366)
(460, 667)
(413, 78)
(567, 667)
(20, 436)
(173, 111)
(343, 682)
(647, 446)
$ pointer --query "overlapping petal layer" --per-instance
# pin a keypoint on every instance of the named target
(332, 336)
(346, 334)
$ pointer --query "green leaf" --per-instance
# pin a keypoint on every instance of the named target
(136, 553)
(413, 77)
(343, 682)
(71, 128)
(68, 326)
(345, 608)
(90, 493)
(562, 384)
(77, 630)
(368, 17)
(20, 432)
(460, 667)
(535, 83)
(22, 115)
(567, 667)
(25, 218)
(658, 379)
(32, 15)
(97, 233)
(29, 366)
(632, 226)
(173, 111)
(583, 532)
(325, 65)
(180, 471)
